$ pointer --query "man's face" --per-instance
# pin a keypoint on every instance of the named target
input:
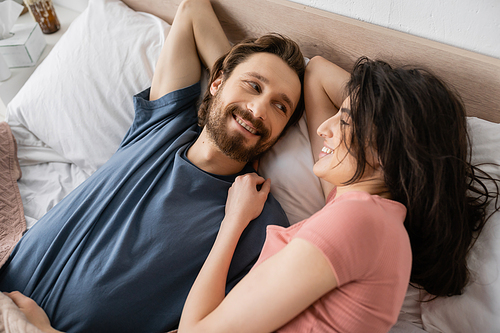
(251, 108)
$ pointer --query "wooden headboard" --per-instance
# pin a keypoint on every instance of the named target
(343, 40)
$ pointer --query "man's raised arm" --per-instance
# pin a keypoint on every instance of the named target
(195, 35)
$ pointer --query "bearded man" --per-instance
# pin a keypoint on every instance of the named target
(120, 253)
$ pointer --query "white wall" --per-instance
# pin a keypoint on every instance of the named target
(469, 24)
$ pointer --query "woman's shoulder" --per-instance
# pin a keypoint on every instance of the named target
(365, 200)
(361, 210)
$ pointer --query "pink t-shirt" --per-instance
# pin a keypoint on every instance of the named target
(364, 239)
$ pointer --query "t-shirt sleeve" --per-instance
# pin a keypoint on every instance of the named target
(347, 234)
(179, 106)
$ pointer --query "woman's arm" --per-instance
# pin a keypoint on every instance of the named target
(323, 94)
(195, 35)
(245, 203)
(271, 294)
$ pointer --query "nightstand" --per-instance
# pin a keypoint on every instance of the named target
(10, 87)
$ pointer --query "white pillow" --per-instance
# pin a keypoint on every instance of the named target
(289, 164)
(79, 100)
(478, 309)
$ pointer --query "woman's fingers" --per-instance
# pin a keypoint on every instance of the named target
(247, 196)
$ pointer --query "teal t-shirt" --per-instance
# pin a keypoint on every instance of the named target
(120, 252)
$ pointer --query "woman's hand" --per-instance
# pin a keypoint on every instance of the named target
(245, 202)
(246, 198)
(32, 311)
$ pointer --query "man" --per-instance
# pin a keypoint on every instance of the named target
(121, 251)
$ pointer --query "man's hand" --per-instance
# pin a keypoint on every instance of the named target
(32, 311)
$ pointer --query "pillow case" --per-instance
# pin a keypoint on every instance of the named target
(289, 165)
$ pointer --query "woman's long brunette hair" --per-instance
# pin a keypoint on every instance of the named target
(417, 125)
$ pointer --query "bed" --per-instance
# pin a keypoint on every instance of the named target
(72, 113)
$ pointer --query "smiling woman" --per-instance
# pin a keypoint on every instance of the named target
(336, 163)
(394, 146)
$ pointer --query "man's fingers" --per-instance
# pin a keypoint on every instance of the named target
(16, 297)
(19, 299)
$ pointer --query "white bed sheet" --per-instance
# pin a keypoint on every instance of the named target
(47, 177)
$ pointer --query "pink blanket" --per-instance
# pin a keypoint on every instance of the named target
(12, 222)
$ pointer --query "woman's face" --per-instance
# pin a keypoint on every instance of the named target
(335, 164)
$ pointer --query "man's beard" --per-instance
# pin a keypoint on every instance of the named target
(233, 145)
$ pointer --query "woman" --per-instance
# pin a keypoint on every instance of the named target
(395, 170)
